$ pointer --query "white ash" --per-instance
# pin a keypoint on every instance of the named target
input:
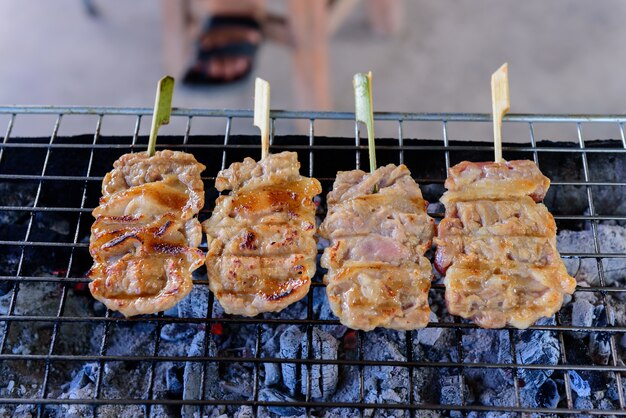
(294, 344)
(611, 239)
(193, 388)
(430, 335)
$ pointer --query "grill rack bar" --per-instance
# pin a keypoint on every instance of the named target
(615, 367)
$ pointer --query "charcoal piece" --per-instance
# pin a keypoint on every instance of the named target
(582, 313)
(273, 395)
(16, 194)
(272, 373)
(612, 239)
(548, 395)
(177, 332)
(270, 347)
(86, 375)
(196, 303)
(504, 396)
(294, 344)
(429, 336)
(173, 381)
(451, 394)
(324, 377)
(578, 384)
(193, 374)
(583, 403)
(600, 342)
(244, 411)
(290, 348)
(537, 347)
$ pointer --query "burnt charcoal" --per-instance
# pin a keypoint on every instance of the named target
(294, 344)
(82, 386)
(50, 226)
(548, 395)
(504, 396)
(600, 342)
(537, 347)
(386, 345)
(5, 287)
(173, 379)
(269, 338)
(578, 384)
(582, 313)
(583, 403)
(196, 303)
(612, 239)
(177, 332)
(9, 260)
(193, 372)
(454, 393)
(323, 377)
(273, 395)
(291, 348)
(429, 336)
(86, 375)
(487, 346)
(16, 193)
(244, 411)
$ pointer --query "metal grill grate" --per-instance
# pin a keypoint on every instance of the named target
(84, 189)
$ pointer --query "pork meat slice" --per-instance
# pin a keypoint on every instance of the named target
(489, 180)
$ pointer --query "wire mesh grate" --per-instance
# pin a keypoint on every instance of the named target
(40, 262)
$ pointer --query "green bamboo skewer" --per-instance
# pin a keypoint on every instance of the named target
(162, 110)
(363, 111)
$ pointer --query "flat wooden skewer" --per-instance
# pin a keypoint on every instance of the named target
(162, 110)
(262, 113)
(363, 111)
(500, 104)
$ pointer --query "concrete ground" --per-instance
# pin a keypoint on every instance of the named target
(565, 56)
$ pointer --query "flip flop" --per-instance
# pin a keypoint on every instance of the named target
(204, 56)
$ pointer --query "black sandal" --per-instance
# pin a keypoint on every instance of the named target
(235, 49)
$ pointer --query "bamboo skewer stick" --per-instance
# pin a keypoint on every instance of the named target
(162, 110)
(363, 111)
(262, 113)
(500, 104)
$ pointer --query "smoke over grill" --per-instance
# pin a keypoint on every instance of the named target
(64, 354)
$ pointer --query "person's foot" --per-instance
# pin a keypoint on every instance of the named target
(225, 50)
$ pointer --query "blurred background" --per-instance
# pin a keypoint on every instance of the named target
(565, 56)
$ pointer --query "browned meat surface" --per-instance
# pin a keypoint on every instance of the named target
(473, 181)
(377, 273)
(497, 247)
(261, 241)
(144, 239)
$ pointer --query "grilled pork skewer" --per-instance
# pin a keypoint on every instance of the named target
(378, 231)
(261, 241)
(145, 237)
(496, 245)
(377, 273)
(262, 249)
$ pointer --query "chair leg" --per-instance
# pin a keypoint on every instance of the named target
(308, 26)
